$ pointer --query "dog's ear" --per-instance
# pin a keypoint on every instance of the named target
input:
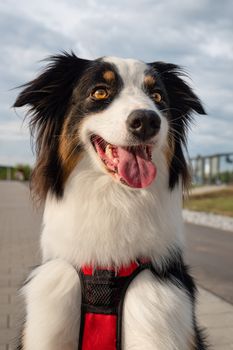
(183, 102)
(48, 98)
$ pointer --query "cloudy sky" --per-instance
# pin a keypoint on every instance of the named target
(196, 34)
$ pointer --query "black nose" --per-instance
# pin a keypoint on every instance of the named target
(143, 123)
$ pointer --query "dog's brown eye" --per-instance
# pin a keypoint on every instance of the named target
(100, 94)
(157, 97)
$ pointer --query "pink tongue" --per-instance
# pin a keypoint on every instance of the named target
(135, 170)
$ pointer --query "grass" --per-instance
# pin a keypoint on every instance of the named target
(220, 202)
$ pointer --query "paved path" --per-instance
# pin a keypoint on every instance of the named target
(19, 231)
(210, 253)
(19, 226)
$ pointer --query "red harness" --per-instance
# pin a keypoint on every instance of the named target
(103, 292)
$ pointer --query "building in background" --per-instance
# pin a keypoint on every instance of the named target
(213, 169)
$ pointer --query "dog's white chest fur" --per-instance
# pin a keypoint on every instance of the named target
(99, 222)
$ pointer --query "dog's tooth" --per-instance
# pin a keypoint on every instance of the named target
(115, 161)
(108, 151)
(149, 153)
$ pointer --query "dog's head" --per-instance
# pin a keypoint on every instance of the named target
(117, 112)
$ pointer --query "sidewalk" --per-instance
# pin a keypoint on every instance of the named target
(216, 316)
(19, 232)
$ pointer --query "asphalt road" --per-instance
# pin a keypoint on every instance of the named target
(210, 253)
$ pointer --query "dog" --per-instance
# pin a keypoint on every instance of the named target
(110, 138)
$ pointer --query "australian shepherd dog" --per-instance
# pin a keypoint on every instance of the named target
(110, 136)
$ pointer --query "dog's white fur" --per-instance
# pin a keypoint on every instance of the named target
(101, 222)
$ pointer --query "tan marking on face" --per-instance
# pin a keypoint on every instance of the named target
(68, 150)
(109, 76)
(149, 81)
(169, 149)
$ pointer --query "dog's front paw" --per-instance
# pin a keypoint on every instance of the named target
(53, 298)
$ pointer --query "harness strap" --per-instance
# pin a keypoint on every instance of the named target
(103, 292)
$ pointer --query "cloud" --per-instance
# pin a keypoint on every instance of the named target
(210, 136)
(13, 130)
(15, 152)
(197, 35)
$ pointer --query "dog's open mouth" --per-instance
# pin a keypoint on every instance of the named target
(132, 166)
